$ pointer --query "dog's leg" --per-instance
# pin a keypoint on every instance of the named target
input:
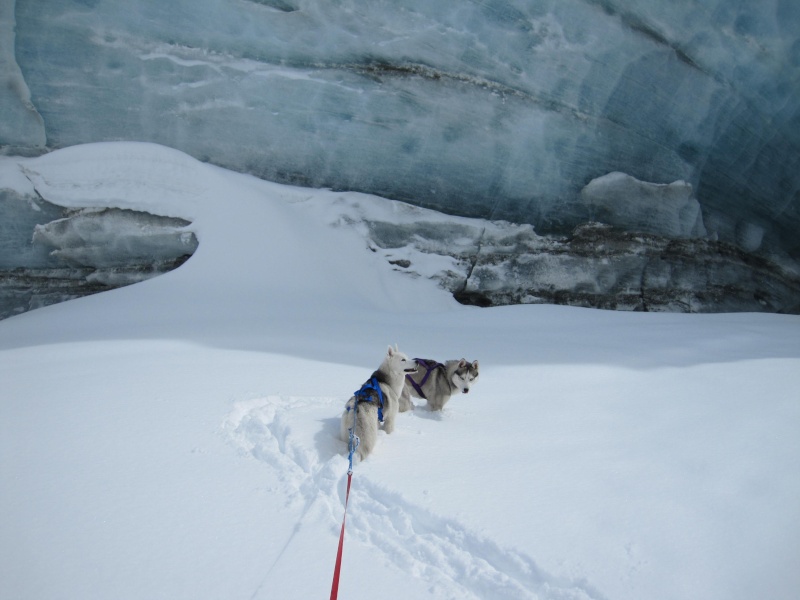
(366, 442)
(405, 400)
(367, 429)
(388, 424)
(393, 401)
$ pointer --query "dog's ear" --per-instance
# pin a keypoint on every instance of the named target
(475, 364)
(390, 352)
(463, 363)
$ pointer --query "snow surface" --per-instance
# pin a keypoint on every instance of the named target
(177, 438)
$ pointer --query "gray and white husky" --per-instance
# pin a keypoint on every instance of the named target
(437, 382)
(377, 401)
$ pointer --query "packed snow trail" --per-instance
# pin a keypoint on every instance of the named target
(453, 560)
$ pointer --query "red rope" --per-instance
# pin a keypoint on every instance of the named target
(337, 568)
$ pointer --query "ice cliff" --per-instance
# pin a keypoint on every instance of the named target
(492, 263)
(50, 253)
(528, 112)
(93, 217)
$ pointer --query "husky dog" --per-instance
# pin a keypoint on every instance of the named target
(377, 401)
(436, 382)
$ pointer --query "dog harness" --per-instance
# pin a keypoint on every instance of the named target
(370, 392)
(430, 365)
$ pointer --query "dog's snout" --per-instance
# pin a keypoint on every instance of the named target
(466, 390)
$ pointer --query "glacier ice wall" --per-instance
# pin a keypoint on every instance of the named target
(91, 218)
(493, 263)
(49, 254)
(502, 110)
(21, 125)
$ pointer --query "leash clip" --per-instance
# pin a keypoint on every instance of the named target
(354, 442)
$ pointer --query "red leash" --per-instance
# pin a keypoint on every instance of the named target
(353, 444)
(337, 568)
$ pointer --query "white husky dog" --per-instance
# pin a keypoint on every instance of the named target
(437, 382)
(377, 401)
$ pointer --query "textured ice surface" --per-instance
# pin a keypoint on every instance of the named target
(20, 124)
(114, 238)
(500, 110)
(50, 253)
(98, 237)
(493, 263)
(627, 203)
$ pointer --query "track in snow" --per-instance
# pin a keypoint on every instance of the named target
(310, 463)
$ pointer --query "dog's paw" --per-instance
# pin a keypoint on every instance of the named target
(406, 404)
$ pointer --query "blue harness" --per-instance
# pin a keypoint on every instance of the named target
(370, 392)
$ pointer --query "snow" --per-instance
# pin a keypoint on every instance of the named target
(177, 438)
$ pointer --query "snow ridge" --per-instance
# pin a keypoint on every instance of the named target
(452, 559)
